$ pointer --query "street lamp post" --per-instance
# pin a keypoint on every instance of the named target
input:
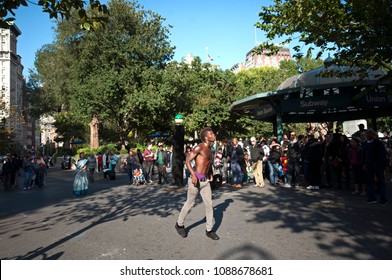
(178, 152)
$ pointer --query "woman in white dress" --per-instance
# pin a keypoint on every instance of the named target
(80, 185)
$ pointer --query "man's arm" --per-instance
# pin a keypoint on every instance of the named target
(195, 152)
(191, 157)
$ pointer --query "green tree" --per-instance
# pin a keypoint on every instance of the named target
(40, 102)
(114, 72)
(203, 94)
(258, 80)
(299, 65)
(92, 17)
(69, 127)
(208, 92)
(384, 124)
(358, 32)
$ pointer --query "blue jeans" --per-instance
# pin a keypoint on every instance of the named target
(273, 172)
(27, 179)
(130, 175)
(236, 172)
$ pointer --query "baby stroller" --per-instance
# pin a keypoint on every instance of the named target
(138, 177)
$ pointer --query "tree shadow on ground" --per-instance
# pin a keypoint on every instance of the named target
(107, 201)
(218, 216)
(359, 230)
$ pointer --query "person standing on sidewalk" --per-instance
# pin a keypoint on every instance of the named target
(256, 155)
(91, 165)
(100, 162)
(130, 164)
(294, 158)
(199, 182)
(162, 163)
(314, 160)
(148, 163)
(374, 163)
(236, 163)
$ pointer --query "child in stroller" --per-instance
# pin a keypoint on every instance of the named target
(138, 177)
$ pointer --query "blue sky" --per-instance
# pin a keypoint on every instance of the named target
(225, 27)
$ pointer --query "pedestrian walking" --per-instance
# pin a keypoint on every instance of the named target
(199, 182)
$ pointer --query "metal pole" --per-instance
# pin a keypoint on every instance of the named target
(178, 155)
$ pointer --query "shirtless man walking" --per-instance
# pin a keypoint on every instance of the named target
(199, 182)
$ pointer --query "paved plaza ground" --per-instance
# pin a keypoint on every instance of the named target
(116, 221)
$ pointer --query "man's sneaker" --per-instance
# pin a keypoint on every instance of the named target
(180, 230)
(371, 201)
(312, 187)
(287, 185)
(356, 192)
(363, 193)
(211, 234)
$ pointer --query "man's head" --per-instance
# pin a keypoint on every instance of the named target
(361, 126)
(207, 135)
(253, 140)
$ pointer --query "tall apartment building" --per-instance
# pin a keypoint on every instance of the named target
(253, 60)
(258, 60)
(13, 108)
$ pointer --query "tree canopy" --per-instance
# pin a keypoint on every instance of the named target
(113, 72)
(89, 17)
(357, 32)
(124, 74)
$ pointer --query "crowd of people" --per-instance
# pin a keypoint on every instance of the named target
(138, 165)
(312, 160)
(33, 168)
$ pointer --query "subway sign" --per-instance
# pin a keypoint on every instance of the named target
(314, 103)
(264, 111)
(375, 99)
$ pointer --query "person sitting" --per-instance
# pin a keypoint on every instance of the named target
(138, 177)
(137, 172)
(109, 174)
